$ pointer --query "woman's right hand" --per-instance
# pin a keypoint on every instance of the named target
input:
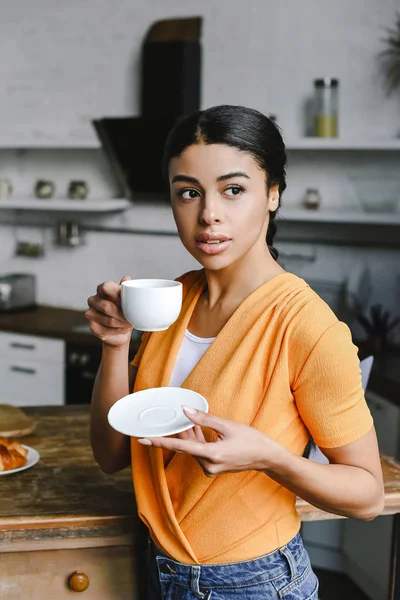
(105, 315)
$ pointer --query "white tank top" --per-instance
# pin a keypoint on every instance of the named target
(191, 350)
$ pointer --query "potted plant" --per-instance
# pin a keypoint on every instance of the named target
(390, 57)
(379, 326)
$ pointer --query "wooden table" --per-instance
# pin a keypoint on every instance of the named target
(64, 515)
(65, 509)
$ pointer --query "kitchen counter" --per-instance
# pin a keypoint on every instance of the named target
(48, 321)
(66, 495)
(62, 323)
(64, 523)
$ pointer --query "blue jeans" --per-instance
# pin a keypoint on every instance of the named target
(284, 574)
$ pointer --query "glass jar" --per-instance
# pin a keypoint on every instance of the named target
(326, 107)
(312, 198)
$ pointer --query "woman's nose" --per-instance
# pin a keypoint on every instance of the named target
(209, 211)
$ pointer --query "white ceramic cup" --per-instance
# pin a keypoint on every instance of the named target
(151, 304)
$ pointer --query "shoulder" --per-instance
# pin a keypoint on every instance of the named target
(311, 324)
(304, 311)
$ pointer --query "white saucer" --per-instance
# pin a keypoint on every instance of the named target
(32, 459)
(155, 412)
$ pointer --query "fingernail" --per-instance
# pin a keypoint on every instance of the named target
(145, 442)
(189, 410)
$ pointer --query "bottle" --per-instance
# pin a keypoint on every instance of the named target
(326, 107)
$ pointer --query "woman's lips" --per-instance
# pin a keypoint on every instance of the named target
(213, 247)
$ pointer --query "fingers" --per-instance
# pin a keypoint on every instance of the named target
(187, 435)
(198, 433)
(107, 299)
(103, 320)
(204, 419)
(104, 307)
(117, 335)
(109, 290)
(105, 315)
(194, 433)
(178, 445)
(124, 278)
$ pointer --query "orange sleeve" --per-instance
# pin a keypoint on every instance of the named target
(328, 390)
(138, 356)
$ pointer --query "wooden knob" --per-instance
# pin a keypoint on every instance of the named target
(78, 581)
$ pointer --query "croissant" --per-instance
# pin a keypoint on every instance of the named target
(12, 455)
(13, 445)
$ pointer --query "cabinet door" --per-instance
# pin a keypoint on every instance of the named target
(367, 544)
(31, 383)
(386, 417)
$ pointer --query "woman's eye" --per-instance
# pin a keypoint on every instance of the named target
(188, 194)
(235, 190)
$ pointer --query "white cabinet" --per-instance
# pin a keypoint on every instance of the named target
(32, 370)
(367, 544)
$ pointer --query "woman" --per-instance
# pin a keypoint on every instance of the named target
(275, 365)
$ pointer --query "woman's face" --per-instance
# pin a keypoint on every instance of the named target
(220, 203)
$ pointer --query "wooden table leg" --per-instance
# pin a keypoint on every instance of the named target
(394, 591)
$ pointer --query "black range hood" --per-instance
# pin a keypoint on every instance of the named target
(134, 148)
(171, 66)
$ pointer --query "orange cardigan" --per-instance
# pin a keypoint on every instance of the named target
(284, 364)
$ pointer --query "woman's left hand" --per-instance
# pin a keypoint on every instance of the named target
(238, 447)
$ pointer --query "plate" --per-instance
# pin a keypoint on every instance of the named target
(32, 458)
(155, 412)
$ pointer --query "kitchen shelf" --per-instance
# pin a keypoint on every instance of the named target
(338, 216)
(315, 143)
(55, 204)
(339, 227)
(305, 143)
(16, 144)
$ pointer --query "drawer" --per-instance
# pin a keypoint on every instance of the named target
(31, 347)
(31, 383)
(43, 575)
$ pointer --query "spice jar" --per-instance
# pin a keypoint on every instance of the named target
(326, 107)
(312, 198)
(78, 190)
(44, 189)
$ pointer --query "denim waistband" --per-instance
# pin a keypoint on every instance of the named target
(249, 572)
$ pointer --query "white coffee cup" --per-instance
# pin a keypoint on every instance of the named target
(151, 304)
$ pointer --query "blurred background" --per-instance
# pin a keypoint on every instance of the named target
(88, 89)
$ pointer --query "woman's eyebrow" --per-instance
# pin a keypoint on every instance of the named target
(232, 175)
(188, 179)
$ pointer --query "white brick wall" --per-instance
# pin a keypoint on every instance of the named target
(65, 63)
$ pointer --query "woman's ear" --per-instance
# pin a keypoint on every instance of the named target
(273, 198)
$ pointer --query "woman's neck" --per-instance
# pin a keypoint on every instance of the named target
(237, 281)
